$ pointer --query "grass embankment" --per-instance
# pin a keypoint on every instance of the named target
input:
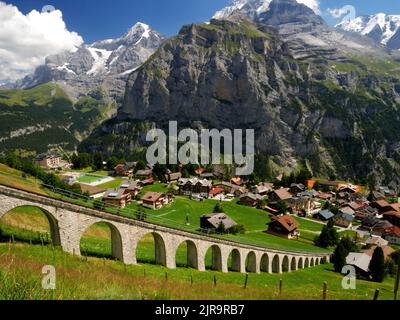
(94, 278)
(78, 278)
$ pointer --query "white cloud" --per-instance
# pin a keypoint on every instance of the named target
(25, 40)
(337, 12)
(313, 4)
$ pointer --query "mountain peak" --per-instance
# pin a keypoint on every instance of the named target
(381, 27)
(254, 8)
(289, 11)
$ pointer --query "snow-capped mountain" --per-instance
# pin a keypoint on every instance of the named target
(383, 28)
(253, 8)
(105, 63)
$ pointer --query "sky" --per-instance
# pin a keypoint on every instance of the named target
(27, 35)
(102, 19)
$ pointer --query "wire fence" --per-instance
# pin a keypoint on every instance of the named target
(131, 213)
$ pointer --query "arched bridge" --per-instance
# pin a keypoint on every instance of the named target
(68, 222)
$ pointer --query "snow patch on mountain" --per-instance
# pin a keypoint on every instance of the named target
(100, 57)
(254, 8)
(381, 27)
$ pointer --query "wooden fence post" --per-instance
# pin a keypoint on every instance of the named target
(325, 290)
(376, 295)
(215, 280)
(280, 286)
(246, 280)
(396, 285)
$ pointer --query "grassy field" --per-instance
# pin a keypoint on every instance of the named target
(93, 278)
(88, 178)
(254, 220)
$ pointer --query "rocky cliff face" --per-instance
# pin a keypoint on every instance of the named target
(104, 64)
(338, 112)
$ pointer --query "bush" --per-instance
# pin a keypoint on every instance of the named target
(238, 229)
(328, 237)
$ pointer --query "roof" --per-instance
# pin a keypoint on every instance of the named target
(200, 170)
(347, 210)
(382, 203)
(47, 155)
(359, 260)
(345, 216)
(298, 185)
(262, 189)
(355, 206)
(237, 181)
(152, 196)
(288, 222)
(129, 185)
(92, 190)
(378, 241)
(309, 193)
(266, 184)
(252, 196)
(283, 194)
(387, 251)
(324, 195)
(395, 206)
(146, 172)
(195, 181)
(114, 194)
(215, 191)
(174, 176)
(392, 214)
(216, 218)
(393, 231)
(326, 214)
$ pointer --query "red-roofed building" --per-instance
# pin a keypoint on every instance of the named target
(284, 226)
(216, 191)
(392, 235)
(200, 171)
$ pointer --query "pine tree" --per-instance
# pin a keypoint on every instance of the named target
(377, 265)
(328, 237)
(339, 257)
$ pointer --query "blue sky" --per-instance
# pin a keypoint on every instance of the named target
(100, 19)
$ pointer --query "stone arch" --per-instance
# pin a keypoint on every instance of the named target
(324, 260)
(159, 247)
(216, 257)
(306, 263)
(264, 264)
(293, 264)
(191, 254)
(52, 220)
(251, 262)
(276, 267)
(236, 260)
(312, 263)
(116, 239)
(285, 264)
(300, 264)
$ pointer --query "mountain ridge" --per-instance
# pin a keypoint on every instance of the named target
(104, 63)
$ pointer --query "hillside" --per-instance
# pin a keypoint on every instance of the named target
(336, 110)
(40, 118)
(95, 279)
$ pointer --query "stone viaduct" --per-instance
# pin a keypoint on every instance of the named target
(68, 222)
